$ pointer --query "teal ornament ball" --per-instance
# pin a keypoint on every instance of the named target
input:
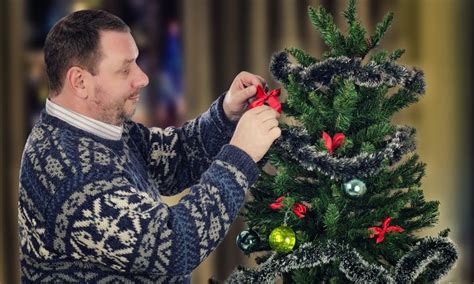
(354, 188)
(247, 241)
(282, 239)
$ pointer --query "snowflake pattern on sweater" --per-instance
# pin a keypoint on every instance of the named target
(90, 208)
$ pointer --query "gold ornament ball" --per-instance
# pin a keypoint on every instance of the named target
(282, 239)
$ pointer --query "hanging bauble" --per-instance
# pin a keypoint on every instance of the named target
(282, 239)
(354, 188)
(247, 241)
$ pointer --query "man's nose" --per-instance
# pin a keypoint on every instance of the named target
(142, 79)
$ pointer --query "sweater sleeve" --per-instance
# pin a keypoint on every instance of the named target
(176, 157)
(108, 222)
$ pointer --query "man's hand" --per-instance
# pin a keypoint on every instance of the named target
(256, 131)
(242, 88)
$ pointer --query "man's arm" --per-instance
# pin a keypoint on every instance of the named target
(176, 157)
(116, 225)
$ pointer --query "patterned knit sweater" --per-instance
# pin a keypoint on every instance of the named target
(90, 208)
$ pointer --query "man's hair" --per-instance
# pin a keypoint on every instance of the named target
(74, 40)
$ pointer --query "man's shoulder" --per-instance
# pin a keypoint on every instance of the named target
(45, 165)
(46, 139)
(59, 161)
(42, 139)
(60, 152)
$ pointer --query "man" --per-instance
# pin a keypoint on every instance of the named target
(91, 179)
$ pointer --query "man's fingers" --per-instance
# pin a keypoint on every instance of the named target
(264, 112)
(263, 83)
(268, 114)
(260, 81)
(259, 109)
(270, 123)
(247, 93)
(250, 79)
(275, 132)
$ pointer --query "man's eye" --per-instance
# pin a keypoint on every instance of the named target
(126, 71)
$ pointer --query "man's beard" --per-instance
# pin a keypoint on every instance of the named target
(111, 111)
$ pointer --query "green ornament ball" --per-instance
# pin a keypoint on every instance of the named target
(247, 241)
(282, 239)
(354, 188)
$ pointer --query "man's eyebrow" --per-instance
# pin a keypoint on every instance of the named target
(127, 62)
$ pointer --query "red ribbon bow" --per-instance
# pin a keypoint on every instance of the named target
(380, 232)
(299, 209)
(271, 98)
(334, 143)
(277, 204)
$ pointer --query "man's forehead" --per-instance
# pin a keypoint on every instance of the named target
(118, 44)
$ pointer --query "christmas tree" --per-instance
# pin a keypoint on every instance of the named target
(340, 199)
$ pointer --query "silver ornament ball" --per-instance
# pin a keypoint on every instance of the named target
(354, 188)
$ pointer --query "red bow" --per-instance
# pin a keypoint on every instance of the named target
(332, 144)
(380, 232)
(299, 209)
(277, 204)
(271, 98)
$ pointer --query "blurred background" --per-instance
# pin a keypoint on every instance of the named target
(192, 49)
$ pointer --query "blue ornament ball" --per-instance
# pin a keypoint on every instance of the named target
(354, 188)
(247, 241)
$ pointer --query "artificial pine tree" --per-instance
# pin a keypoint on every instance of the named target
(344, 203)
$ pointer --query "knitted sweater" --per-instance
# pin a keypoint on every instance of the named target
(90, 208)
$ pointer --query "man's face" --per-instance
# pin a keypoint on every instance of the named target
(114, 93)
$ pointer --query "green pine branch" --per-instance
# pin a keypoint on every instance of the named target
(356, 43)
(382, 56)
(350, 13)
(396, 54)
(302, 57)
(374, 134)
(379, 57)
(324, 23)
(380, 30)
(331, 219)
(398, 101)
(369, 108)
(344, 104)
(407, 174)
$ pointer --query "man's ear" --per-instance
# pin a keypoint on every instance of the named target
(76, 81)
